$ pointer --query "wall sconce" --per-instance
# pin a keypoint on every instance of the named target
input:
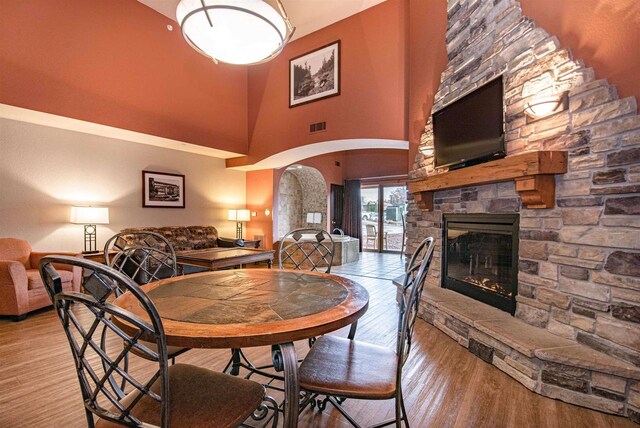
(551, 94)
(427, 151)
(267, 212)
(546, 105)
(239, 216)
(89, 217)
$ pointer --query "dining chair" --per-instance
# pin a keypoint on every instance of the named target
(141, 255)
(340, 368)
(301, 249)
(372, 236)
(307, 249)
(144, 257)
(180, 395)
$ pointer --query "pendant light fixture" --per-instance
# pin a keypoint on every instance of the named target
(235, 31)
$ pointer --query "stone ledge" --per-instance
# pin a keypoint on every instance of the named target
(584, 357)
(524, 338)
(541, 361)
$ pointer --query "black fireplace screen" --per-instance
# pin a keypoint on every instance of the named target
(481, 258)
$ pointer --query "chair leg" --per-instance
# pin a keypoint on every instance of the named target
(404, 411)
(90, 422)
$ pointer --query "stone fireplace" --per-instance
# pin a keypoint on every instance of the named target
(480, 257)
(575, 334)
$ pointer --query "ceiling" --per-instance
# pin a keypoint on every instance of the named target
(306, 15)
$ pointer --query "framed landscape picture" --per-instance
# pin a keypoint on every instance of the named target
(162, 190)
(315, 75)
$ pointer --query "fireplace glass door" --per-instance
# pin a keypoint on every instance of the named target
(481, 257)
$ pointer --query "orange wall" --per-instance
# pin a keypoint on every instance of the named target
(372, 96)
(260, 197)
(115, 63)
(374, 163)
(605, 34)
(427, 60)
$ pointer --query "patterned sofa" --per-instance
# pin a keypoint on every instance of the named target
(185, 237)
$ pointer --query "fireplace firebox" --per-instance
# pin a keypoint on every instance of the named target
(480, 257)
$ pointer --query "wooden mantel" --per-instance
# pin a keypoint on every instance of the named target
(533, 173)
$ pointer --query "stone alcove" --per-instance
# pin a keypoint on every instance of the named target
(301, 190)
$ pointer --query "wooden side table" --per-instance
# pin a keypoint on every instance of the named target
(245, 243)
(98, 256)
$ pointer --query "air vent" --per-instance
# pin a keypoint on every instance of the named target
(317, 127)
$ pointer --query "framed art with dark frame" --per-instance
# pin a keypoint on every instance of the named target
(162, 190)
(315, 75)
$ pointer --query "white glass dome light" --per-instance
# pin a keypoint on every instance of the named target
(234, 31)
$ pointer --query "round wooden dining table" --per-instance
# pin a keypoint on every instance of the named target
(253, 307)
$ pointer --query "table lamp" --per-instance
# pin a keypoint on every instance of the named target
(89, 217)
(239, 216)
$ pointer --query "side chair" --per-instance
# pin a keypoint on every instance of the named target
(144, 257)
(307, 249)
(180, 395)
(340, 368)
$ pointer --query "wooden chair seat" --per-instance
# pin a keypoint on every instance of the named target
(199, 398)
(349, 368)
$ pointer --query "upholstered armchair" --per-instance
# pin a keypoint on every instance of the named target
(21, 288)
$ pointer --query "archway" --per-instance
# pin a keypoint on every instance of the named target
(302, 199)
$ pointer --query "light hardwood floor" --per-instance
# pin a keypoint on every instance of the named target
(444, 384)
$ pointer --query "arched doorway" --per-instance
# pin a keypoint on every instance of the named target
(302, 199)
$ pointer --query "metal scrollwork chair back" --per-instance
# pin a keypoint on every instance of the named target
(368, 371)
(412, 286)
(143, 256)
(83, 314)
(307, 249)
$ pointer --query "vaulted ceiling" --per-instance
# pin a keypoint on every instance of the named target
(306, 15)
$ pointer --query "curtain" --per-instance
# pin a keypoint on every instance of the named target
(352, 223)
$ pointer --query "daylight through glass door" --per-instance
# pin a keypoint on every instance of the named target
(383, 209)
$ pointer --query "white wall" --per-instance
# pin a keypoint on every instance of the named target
(44, 171)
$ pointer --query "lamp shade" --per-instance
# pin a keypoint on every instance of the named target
(233, 215)
(244, 215)
(89, 215)
(234, 31)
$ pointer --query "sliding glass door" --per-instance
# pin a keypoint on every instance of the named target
(383, 208)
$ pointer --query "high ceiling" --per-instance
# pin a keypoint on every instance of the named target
(306, 15)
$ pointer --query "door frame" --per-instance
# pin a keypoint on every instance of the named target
(381, 185)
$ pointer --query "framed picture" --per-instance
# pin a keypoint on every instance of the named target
(162, 190)
(315, 75)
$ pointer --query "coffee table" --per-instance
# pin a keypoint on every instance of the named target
(217, 258)
(253, 307)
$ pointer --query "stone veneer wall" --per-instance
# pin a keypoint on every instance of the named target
(579, 263)
(289, 214)
(301, 191)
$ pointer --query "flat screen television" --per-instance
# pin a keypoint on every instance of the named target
(471, 129)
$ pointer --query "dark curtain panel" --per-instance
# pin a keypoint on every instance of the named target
(352, 224)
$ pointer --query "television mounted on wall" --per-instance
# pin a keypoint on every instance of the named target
(471, 129)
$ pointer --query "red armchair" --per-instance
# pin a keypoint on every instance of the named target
(21, 288)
